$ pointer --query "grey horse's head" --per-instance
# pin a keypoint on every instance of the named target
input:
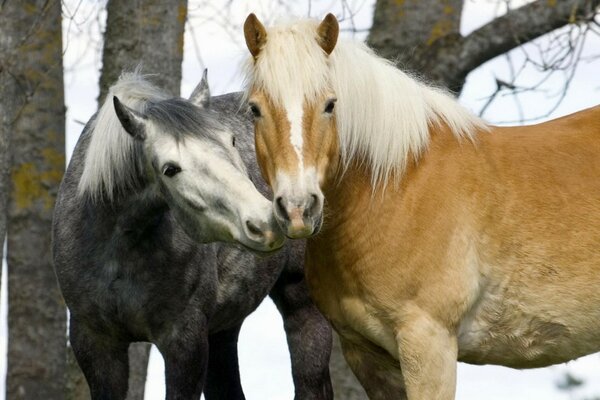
(193, 159)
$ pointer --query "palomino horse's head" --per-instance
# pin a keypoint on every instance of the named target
(193, 160)
(293, 105)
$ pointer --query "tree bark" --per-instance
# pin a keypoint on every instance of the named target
(10, 100)
(401, 28)
(424, 36)
(148, 33)
(37, 314)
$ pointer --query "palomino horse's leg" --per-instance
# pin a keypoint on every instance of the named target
(428, 354)
(223, 379)
(103, 361)
(308, 332)
(185, 351)
(375, 369)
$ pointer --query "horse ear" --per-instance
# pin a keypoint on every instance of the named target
(255, 34)
(132, 121)
(201, 94)
(328, 32)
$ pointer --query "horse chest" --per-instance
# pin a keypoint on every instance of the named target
(243, 281)
(346, 303)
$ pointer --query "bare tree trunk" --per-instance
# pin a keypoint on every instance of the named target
(147, 33)
(401, 27)
(403, 30)
(37, 314)
(10, 103)
(424, 35)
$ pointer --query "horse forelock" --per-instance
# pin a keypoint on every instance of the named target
(179, 118)
(291, 65)
(112, 155)
(113, 160)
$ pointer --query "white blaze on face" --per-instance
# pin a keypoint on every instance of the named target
(296, 187)
(295, 114)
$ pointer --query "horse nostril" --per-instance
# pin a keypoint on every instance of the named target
(253, 229)
(311, 208)
(281, 208)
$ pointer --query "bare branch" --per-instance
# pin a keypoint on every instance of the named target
(522, 25)
(451, 58)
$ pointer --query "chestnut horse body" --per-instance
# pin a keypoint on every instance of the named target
(466, 242)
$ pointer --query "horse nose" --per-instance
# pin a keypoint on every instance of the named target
(253, 230)
(280, 209)
(287, 209)
(262, 232)
(297, 215)
(312, 205)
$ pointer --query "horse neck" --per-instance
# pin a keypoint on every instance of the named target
(346, 199)
(141, 208)
(132, 210)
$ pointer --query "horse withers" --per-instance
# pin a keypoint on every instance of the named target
(152, 183)
(434, 237)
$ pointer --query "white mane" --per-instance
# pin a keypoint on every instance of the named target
(108, 166)
(383, 114)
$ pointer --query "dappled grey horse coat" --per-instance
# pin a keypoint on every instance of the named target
(128, 272)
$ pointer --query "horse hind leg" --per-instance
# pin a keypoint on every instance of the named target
(103, 361)
(376, 370)
(223, 376)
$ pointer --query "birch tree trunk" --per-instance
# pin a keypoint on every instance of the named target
(34, 113)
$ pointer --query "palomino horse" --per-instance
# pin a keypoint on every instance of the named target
(443, 238)
(153, 178)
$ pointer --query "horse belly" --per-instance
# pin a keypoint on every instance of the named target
(516, 333)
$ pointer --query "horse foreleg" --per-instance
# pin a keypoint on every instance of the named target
(103, 361)
(427, 353)
(185, 351)
(223, 380)
(308, 336)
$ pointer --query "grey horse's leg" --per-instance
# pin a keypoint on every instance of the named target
(103, 360)
(223, 380)
(308, 333)
(185, 352)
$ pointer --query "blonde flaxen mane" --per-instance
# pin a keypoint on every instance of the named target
(383, 114)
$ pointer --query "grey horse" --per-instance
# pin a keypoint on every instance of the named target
(159, 235)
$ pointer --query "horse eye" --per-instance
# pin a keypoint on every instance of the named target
(233, 141)
(171, 170)
(330, 106)
(255, 110)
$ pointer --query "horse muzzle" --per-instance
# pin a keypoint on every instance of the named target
(299, 217)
